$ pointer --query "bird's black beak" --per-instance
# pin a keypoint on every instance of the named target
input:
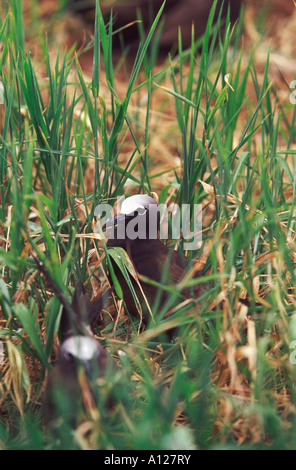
(120, 219)
(87, 366)
(115, 229)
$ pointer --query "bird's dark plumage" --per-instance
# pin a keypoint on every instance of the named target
(151, 258)
(176, 14)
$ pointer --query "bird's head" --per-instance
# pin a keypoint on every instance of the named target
(83, 351)
(138, 219)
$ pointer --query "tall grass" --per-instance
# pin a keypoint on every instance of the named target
(226, 380)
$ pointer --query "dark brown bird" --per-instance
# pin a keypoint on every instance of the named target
(176, 13)
(71, 388)
(151, 258)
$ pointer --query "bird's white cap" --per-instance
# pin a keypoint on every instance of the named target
(136, 202)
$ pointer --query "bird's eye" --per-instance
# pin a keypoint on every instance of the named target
(69, 356)
(141, 210)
